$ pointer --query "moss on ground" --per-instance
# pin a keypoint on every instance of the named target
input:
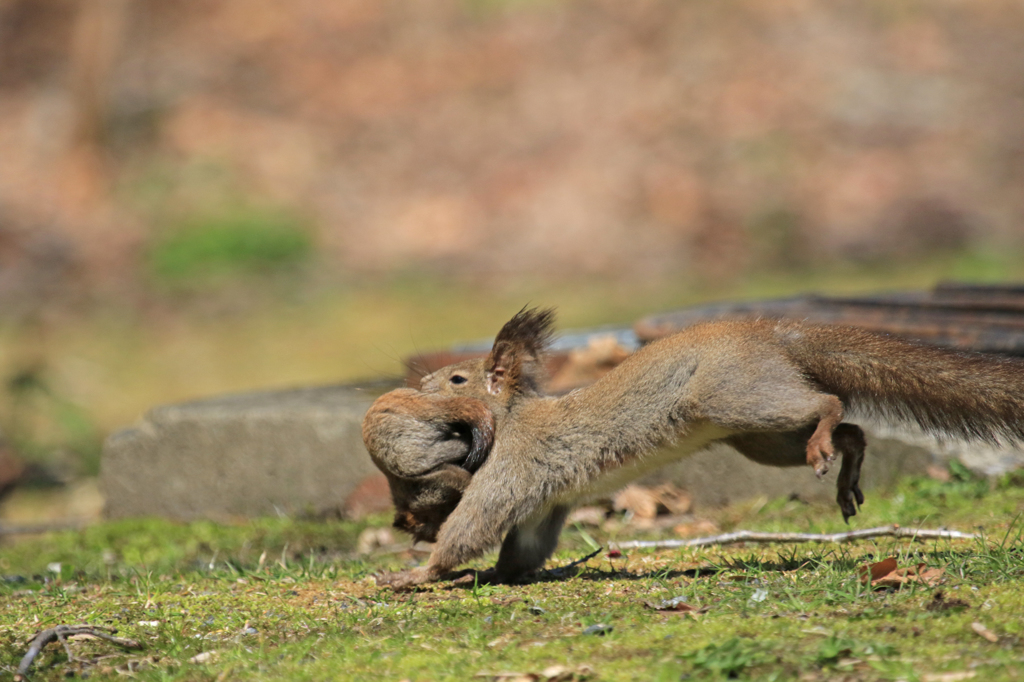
(288, 599)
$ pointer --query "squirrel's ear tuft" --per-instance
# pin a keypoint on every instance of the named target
(529, 330)
(515, 361)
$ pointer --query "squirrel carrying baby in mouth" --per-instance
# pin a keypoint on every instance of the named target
(480, 456)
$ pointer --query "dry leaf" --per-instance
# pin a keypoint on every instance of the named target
(696, 529)
(587, 516)
(675, 605)
(678, 605)
(930, 576)
(877, 570)
(983, 631)
(637, 499)
(647, 503)
(886, 574)
(673, 499)
(587, 365)
(371, 496)
(915, 574)
(374, 538)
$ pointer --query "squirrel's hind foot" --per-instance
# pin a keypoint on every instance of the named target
(849, 440)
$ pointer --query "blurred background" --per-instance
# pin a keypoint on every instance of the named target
(202, 196)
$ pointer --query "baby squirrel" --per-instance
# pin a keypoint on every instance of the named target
(479, 456)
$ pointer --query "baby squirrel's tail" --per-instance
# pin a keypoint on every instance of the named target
(948, 393)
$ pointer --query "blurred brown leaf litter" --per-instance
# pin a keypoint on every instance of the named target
(481, 137)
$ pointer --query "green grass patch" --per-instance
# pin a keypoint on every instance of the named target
(242, 242)
(288, 599)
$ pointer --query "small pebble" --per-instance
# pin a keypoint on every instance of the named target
(599, 629)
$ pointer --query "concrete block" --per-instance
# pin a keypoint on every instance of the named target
(289, 451)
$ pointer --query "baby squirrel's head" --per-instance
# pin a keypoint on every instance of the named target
(430, 442)
(428, 445)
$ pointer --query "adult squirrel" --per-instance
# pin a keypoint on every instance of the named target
(479, 454)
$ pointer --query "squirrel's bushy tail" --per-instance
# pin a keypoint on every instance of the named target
(948, 393)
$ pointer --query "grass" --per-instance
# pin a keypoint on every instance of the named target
(288, 599)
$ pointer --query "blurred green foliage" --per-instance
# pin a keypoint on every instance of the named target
(242, 242)
(45, 426)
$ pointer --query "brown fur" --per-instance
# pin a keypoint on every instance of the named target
(428, 446)
(776, 391)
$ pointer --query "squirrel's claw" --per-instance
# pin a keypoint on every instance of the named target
(850, 498)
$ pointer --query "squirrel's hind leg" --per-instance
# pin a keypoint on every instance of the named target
(790, 410)
(789, 448)
(528, 546)
(768, 394)
(849, 440)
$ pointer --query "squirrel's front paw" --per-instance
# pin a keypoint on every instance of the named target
(404, 580)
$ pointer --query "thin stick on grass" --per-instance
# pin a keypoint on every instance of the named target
(60, 633)
(754, 536)
(581, 560)
(561, 571)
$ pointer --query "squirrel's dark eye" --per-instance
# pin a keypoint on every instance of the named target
(458, 379)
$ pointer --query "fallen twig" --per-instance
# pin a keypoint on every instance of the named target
(583, 560)
(754, 536)
(59, 633)
(562, 570)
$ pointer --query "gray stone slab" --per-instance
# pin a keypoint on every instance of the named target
(291, 451)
